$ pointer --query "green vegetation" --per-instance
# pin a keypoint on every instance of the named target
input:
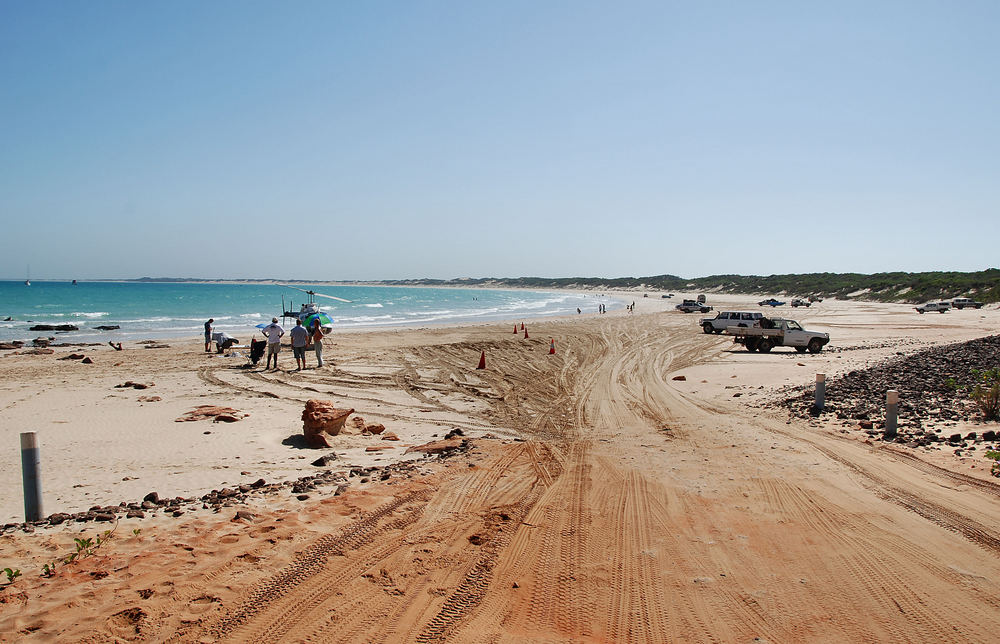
(12, 574)
(983, 286)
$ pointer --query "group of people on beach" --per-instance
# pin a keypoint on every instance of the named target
(301, 339)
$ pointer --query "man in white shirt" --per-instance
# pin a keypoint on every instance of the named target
(300, 338)
(273, 331)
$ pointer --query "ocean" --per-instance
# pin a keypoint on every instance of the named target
(153, 310)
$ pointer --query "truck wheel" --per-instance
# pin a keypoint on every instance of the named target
(815, 346)
(707, 327)
(718, 332)
(800, 349)
(764, 346)
(751, 344)
(920, 311)
(942, 310)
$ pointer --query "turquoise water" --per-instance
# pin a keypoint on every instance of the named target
(167, 310)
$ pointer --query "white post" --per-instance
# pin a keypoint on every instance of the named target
(891, 408)
(31, 476)
(820, 392)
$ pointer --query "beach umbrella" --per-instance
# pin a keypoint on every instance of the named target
(324, 320)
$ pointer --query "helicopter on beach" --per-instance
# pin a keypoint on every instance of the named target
(310, 312)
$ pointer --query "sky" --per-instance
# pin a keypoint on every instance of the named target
(422, 139)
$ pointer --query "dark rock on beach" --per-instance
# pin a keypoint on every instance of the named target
(107, 327)
(54, 327)
(933, 387)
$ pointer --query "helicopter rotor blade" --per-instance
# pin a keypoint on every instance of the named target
(332, 297)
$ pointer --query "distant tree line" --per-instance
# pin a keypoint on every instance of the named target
(983, 286)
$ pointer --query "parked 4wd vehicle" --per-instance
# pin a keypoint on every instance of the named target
(797, 302)
(691, 306)
(779, 332)
(940, 307)
(726, 319)
(770, 302)
(962, 302)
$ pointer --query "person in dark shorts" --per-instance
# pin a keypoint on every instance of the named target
(300, 338)
(208, 335)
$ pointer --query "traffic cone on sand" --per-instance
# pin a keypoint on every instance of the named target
(515, 329)
(482, 361)
(522, 326)
(552, 346)
(525, 334)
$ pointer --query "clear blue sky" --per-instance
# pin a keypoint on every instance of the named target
(382, 140)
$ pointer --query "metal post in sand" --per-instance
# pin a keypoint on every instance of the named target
(891, 409)
(820, 392)
(31, 476)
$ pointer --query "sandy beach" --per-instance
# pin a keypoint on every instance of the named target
(642, 484)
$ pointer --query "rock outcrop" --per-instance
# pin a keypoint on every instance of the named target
(321, 419)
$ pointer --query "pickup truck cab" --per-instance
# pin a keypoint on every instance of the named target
(940, 307)
(963, 302)
(726, 319)
(770, 302)
(778, 332)
(690, 306)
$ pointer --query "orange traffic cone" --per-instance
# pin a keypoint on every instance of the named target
(525, 334)
(515, 329)
(482, 361)
(552, 346)
(522, 326)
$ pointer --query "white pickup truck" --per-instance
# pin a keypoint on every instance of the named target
(776, 332)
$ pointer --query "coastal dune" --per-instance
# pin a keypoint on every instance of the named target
(641, 484)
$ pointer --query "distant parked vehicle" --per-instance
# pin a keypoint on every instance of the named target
(726, 319)
(963, 302)
(701, 299)
(778, 333)
(667, 295)
(797, 302)
(693, 306)
(770, 302)
(940, 307)
(813, 298)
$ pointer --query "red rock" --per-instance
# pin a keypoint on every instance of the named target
(437, 447)
(679, 378)
(87, 361)
(358, 422)
(374, 428)
(204, 412)
(378, 448)
(319, 419)
(389, 436)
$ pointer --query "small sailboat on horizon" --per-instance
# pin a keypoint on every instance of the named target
(27, 281)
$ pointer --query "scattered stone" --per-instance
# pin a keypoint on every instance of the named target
(133, 385)
(866, 424)
(73, 356)
(389, 436)
(374, 428)
(204, 412)
(358, 422)
(377, 448)
(681, 378)
(244, 515)
(438, 447)
(455, 433)
(319, 419)
(302, 497)
(152, 497)
(323, 461)
(107, 327)
(157, 346)
(149, 399)
(135, 514)
(87, 361)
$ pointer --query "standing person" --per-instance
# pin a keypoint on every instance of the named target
(273, 332)
(208, 335)
(317, 338)
(300, 338)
